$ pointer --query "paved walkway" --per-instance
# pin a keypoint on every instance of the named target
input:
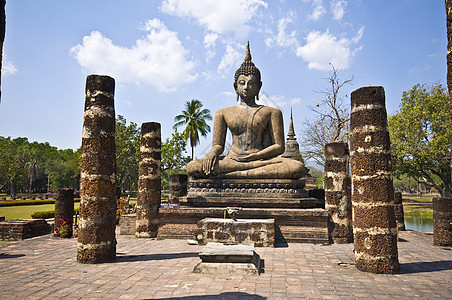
(45, 267)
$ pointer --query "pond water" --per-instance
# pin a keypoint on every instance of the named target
(419, 224)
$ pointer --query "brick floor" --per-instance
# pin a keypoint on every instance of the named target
(46, 267)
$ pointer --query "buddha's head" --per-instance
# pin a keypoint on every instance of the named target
(247, 79)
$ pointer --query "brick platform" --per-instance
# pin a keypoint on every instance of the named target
(20, 229)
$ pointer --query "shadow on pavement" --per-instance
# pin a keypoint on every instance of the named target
(227, 295)
(428, 266)
(5, 255)
(159, 256)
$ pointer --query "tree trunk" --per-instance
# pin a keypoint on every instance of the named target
(192, 152)
(13, 189)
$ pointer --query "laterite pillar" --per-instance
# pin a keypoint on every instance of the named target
(149, 184)
(338, 192)
(398, 205)
(96, 238)
(64, 208)
(374, 224)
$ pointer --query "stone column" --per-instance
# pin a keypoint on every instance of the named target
(96, 238)
(64, 208)
(338, 193)
(398, 207)
(149, 184)
(177, 187)
(442, 221)
(374, 225)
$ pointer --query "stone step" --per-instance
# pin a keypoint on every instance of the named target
(251, 201)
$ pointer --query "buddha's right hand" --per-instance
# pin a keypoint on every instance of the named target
(208, 163)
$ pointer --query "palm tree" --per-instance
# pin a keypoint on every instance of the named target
(194, 118)
(33, 171)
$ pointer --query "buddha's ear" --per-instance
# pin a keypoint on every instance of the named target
(260, 85)
(235, 85)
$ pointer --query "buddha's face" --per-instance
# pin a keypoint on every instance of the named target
(248, 87)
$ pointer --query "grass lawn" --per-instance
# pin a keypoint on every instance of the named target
(24, 212)
(418, 206)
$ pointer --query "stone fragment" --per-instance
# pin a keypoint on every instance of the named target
(96, 238)
(149, 185)
(442, 221)
(338, 192)
(64, 208)
(374, 223)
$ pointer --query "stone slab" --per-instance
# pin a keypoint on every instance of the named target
(217, 258)
(257, 232)
(127, 224)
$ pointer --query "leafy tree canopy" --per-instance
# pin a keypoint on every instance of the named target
(420, 137)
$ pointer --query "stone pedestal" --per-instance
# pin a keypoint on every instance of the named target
(217, 258)
(338, 192)
(374, 225)
(442, 221)
(260, 233)
(177, 187)
(149, 184)
(64, 208)
(96, 238)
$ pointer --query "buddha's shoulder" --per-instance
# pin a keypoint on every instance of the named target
(270, 109)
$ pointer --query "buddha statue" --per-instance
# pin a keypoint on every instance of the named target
(257, 136)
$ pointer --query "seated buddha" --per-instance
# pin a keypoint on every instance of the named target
(257, 136)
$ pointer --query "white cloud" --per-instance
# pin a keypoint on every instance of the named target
(318, 10)
(232, 57)
(209, 43)
(324, 48)
(221, 17)
(158, 59)
(338, 8)
(8, 68)
(283, 39)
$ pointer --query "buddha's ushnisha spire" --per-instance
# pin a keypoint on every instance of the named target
(247, 52)
(291, 133)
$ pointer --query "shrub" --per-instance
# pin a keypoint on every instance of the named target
(43, 214)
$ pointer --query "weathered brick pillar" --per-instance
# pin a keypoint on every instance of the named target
(96, 238)
(149, 184)
(442, 221)
(338, 201)
(177, 186)
(64, 208)
(374, 225)
(398, 207)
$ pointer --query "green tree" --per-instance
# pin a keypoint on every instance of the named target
(127, 141)
(194, 118)
(174, 159)
(420, 137)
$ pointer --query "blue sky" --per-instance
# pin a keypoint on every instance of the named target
(164, 53)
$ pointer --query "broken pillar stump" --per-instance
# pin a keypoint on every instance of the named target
(64, 209)
(177, 187)
(442, 221)
(374, 224)
(398, 207)
(149, 184)
(338, 201)
(96, 237)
